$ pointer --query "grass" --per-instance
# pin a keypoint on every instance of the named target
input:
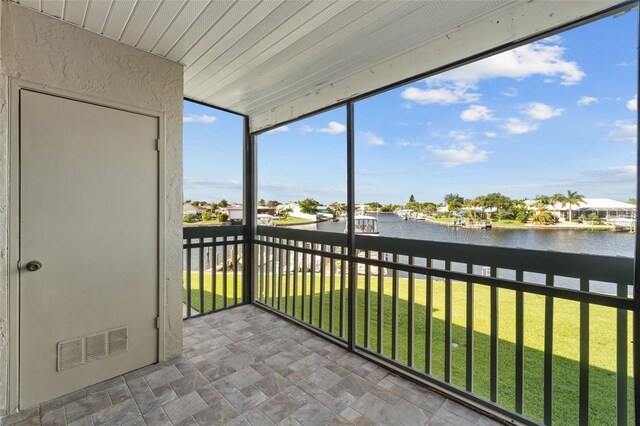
(202, 222)
(220, 293)
(291, 220)
(602, 408)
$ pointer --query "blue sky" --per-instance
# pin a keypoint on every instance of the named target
(555, 115)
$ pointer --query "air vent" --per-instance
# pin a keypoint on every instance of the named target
(81, 350)
(96, 346)
(118, 340)
(70, 354)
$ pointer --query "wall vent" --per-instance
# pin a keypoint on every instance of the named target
(81, 350)
(70, 354)
(118, 340)
(96, 346)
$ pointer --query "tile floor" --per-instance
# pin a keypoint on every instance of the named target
(245, 366)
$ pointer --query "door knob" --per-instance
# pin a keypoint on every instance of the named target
(34, 265)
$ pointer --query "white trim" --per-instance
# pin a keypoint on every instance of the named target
(15, 86)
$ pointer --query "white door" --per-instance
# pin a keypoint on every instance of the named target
(89, 216)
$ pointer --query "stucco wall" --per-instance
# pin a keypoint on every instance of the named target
(46, 51)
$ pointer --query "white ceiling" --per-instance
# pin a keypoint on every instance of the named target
(275, 60)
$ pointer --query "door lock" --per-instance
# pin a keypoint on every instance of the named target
(34, 266)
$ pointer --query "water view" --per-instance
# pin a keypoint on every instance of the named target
(605, 243)
(601, 243)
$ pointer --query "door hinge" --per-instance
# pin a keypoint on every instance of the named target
(158, 145)
(157, 323)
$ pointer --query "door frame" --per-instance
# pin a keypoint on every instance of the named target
(15, 86)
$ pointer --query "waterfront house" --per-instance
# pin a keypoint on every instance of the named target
(121, 321)
(605, 208)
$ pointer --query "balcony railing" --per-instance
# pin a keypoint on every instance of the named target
(212, 268)
(539, 336)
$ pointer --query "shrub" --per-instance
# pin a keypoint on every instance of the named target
(523, 215)
(223, 217)
(189, 218)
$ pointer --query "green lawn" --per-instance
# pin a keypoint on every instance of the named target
(291, 220)
(566, 339)
(220, 294)
(202, 222)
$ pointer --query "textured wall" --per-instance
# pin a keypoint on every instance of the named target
(43, 50)
(4, 252)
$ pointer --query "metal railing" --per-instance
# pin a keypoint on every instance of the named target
(213, 265)
(487, 323)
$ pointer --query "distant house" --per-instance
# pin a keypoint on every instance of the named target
(271, 211)
(295, 211)
(188, 208)
(605, 208)
(234, 212)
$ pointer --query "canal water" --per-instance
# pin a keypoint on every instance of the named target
(571, 241)
(390, 225)
(587, 242)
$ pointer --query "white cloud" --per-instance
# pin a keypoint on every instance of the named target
(333, 128)
(533, 59)
(404, 143)
(279, 129)
(442, 96)
(511, 92)
(617, 174)
(459, 85)
(516, 126)
(540, 111)
(586, 100)
(372, 139)
(632, 104)
(460, 135)
(191, 182)
(477, 113)
(554, 39)
(491, 134)
(624, 131)
(457, 154)
(194, 118)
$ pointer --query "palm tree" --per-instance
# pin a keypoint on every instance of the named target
(573, 198)
(542, 215)
(558, 199)
(542, 201)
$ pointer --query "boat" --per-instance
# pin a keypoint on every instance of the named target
(265, 220)
(366, 225)
(406, 214)
(483, 224)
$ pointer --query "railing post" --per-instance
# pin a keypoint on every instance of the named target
(351, 236)
(249, 264)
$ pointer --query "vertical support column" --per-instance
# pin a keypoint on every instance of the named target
(351, 234)
(636, 280)
(249, 265)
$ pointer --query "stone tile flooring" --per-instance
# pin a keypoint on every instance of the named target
(245, 366)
